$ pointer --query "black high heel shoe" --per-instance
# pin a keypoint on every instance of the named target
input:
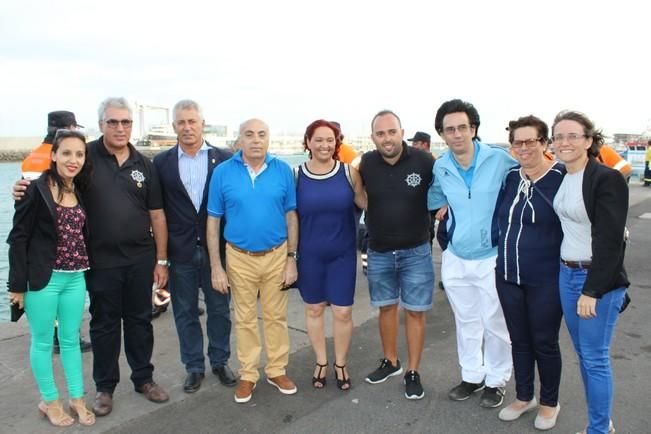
(345, 381)
(320, 379)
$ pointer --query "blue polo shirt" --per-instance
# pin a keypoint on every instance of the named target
(467, 174)
(254, 207)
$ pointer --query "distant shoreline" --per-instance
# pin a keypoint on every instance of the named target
(19, 155)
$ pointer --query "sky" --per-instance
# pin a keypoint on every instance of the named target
(291, 62)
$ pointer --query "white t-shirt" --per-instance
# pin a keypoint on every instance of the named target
(569, 205)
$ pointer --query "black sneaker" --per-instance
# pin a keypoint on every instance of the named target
(385, 371)
(464, 390)
(492, 397)
(413, 388)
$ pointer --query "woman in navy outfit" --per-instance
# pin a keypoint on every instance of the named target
(527, 271)
(592, 204)
(327, 192)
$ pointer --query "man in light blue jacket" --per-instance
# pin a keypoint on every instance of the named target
(468, 180)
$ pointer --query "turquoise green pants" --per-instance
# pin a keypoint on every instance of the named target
(63, 300)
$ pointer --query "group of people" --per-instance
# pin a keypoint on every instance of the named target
(529, 240)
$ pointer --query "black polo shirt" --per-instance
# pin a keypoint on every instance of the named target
(118, 203)
(397, 217)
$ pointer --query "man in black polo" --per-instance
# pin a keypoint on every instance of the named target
(400, 270)
(123, 202)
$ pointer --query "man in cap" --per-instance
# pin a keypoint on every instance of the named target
(38, 161)
(420, 140)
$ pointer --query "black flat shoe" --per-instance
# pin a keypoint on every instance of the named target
(225, 375)
(319, 382)
(192, 382)
(344, 381)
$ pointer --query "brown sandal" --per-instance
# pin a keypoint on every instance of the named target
(78, 408)
(55, 413)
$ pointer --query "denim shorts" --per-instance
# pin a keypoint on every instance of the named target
(405, 276)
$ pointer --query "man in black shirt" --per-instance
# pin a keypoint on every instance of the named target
(400, 270)
(123, 202)
(124, 206)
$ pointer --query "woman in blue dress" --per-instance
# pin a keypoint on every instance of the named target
(327, 192)
(527, 271)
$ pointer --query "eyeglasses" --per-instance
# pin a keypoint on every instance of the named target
(529, 143)
(113, 123)
(463, 129)
(572, 138)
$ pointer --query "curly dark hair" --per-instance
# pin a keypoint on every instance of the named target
(529, 121)
(457, 106)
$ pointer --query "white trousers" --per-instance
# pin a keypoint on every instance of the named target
(470, 288)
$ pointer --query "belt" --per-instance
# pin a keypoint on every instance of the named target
(577, 264)
(250, 253)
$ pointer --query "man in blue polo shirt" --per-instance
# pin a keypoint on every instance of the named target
(468, 180)
(255, 194)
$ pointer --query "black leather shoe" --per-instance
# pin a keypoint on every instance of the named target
(192, 382)
(226, 376)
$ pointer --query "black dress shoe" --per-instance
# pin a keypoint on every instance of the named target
(226, 376)
(192, 382)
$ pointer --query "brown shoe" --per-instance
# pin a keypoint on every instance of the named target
(103, 404)
(153, 392)
(244, 391)
(284, 384)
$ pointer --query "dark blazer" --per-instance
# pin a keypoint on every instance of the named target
(186, 226)
(33, 238)
(605, 195)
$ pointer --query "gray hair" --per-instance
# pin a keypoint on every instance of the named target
(187, 104)
(113, 102)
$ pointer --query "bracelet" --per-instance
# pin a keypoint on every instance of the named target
(163, 262)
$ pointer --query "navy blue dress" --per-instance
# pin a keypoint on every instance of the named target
(327, 262)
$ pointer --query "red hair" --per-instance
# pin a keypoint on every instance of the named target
(309, 132)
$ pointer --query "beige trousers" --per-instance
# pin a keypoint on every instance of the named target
(248, 274)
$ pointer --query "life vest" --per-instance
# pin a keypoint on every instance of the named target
(37, 162)
(612, 159)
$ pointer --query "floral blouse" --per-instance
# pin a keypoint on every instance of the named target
(71, 247)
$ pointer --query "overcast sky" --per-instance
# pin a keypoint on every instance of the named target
(291, 62)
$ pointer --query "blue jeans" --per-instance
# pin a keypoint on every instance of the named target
(591, 339)
(184, 283)
(405, 276)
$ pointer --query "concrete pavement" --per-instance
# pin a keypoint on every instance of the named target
(366, 408)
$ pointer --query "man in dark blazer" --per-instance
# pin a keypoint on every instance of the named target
(185, 172)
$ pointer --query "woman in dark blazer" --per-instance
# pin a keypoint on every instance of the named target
(592, 204)
(47, 260)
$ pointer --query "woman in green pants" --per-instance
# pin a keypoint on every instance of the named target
(47, 260)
